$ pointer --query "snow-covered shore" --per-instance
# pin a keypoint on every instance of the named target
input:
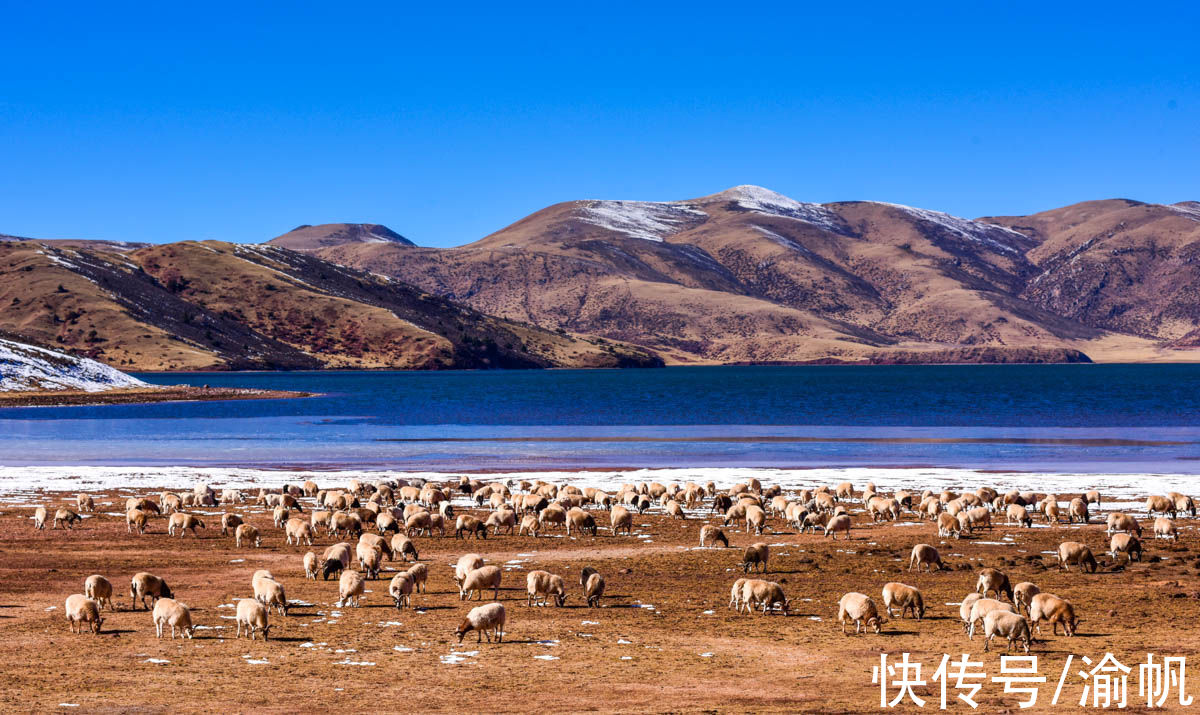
(25, 367)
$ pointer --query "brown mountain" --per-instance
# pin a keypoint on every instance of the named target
(327, 235)
(749, 275)
(215, 305)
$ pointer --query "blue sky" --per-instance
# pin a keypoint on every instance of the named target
(156, 123)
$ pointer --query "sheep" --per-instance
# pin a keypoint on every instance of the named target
(1183, 503)
(477, 580)
(541, 584)
(964, 609)
(756, 519)
(924, 554)
(1127, 544)
(310, 565)
(553, 515)
(351, 587)
(836, 524)
(136, 521)
(100, 590)
(710, 534)
(529, 524)
(593, 586)
(168, 611)
(883, 509)
(81, 609)
(421, 521)
(948, 525)
(335, 560)
(755, 554)
(978, 518)
(905, 598)
(419, 573)
(230, 521)
(1073, 552)
(621, 518)
(1054, 610)
(993, 580)
(297, 530)
(400, 589)
(142, 503)
(1022, 594)
(404, 547)
(735, 594)
(859, 608)
(981, 608)
(1161, 504)
(147, 585)
(1123, 522)
(249, 534)
(255, 616)
(1018, 514)
(1078, 510)
(84, 502)
(1164, 528)
(66, 517)
(1050, 510)
(469, 525)
(184, 522)
(466, 564)
(1007, 625)
(371, 560)
(39, 518)
(269, 592)
(506, 520)
(756, 592)
(580, 521)
(346, 525)
(484, 620)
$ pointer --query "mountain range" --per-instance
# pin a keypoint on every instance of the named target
(746, 275)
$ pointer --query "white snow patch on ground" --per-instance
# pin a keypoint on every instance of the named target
(649, 220)
(25, 367)
(545, 657)
(996, 237)
(771, 203)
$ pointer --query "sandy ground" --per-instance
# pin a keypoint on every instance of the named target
(136, 395)
(663, 640)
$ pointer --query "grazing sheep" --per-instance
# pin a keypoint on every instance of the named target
(145, 585)
(254, 616)
(755, 555)
(924, 554)
(1073, 552)
(1018, 514)
(345, 525)
(66, 518)
(620, 519)
(249, 534)
(964, 609)
(422, 521)
(1007, 625)
(1127, 544)
(1054, 610)
(400, 589)
(84, 502)
(279, 516)
(39, 518)
(530, 524)
(978, 518)
(903, 597)
(757, 592)
(506, 520)
(351, 587)
(404, 547)
(1161, 504)
(1164, 528)
(836, 524)
(710, 534)
(1050, 510)
(539, 585)
(469, 525)
(136, 521)
(142, 503)
(465, 565)
(993, 580)
(1183, 503)
(756, 519)
(1078, 511)
(419, 573)
(1123, 522)
(81, 609)
(479, 579)
(184, 523)
(100, 590)
(297, 530)
(1023, 593)
(593, 586)
(579, 521)
(230, 521)
(169, 612)
(335, 560)
(371, 560)
(1092, 497)
(735, 594)
(948, 525)
(859, 608)
(484, 620)
(270, 593)
(981, 608)
(310, 565)
(386, 522)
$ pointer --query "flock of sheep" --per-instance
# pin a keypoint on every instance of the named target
(398, 511)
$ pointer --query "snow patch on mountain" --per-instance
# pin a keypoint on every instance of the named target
(649, 220)
(997, 237)
(1190, 209)
(771, 203)
(25, 367)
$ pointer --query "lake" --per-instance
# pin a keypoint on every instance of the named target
(1050, 418)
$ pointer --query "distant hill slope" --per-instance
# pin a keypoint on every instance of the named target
(213, 305)
(328, 235)
(26, 367)
(750, 275)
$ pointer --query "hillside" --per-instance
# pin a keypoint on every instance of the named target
(213, 305)
(750, 275)
(311, 238)
(26, 367)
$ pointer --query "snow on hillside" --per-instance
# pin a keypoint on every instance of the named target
(25, 367)
(649, 220)
(997, 237)
(771, 203)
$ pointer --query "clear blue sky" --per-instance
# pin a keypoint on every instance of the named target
(163, 122)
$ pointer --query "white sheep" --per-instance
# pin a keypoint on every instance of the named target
(247, 533)
(144, 585)
(168, 611)
(1054, 610)
(310, 565)
(351, 586)
(539, 585)
(419, 573)
(757, 592)
(1007, 625)
(479, 579)
(593, 586)
(484, 620)
(859, 608)
(254, 616)
(270, 593)
(981, 608)
(100, 590)
(466, 564)
(79, 610)
(400, 589)
(903, 597)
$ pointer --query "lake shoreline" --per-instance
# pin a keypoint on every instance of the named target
(141, 395)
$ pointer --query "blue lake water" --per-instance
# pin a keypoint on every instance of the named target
(1098, 418)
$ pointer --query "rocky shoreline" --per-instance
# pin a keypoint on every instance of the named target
(139, 395)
